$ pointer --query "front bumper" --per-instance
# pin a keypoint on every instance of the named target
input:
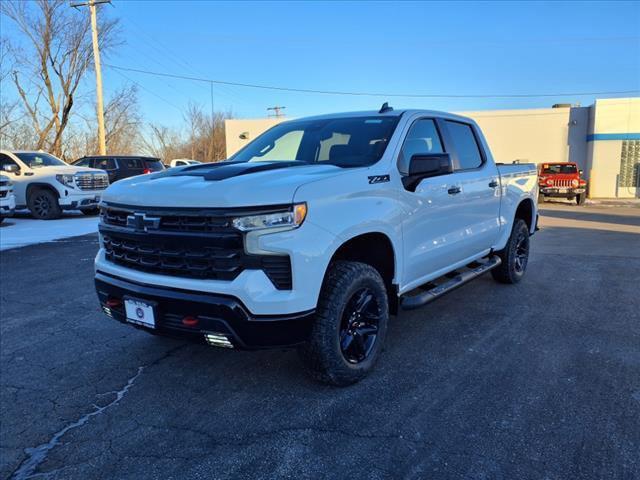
(8, 206)
(216, 314)
(84, 199)
(561, 192)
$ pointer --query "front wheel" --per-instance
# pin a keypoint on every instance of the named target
(514, 256)
(580, 198)
(350, 325)
(43, 204)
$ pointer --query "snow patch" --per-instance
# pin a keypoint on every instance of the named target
(21, 231)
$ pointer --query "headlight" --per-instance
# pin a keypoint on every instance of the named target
(292, 218)
(65, 179)
(550, 182)
(574, 182)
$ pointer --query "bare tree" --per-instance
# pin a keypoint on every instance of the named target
(204, 139)
(49, 66)
(122, 125)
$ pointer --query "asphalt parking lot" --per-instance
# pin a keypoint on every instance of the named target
(538, 380)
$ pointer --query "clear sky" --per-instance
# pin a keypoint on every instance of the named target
(418, 47)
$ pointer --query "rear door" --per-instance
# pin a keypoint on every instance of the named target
(130, 166)
(478, 180)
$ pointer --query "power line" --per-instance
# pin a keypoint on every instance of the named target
(370, 94)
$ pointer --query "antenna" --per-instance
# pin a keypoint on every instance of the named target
(385, 108)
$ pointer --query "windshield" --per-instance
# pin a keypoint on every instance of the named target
(560, 168)
(37, 159)
(345, 142)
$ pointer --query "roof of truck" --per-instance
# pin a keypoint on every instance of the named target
(388, 113)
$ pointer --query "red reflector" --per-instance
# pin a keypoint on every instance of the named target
(190, 321)
(113, 302)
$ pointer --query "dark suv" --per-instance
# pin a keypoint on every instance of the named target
(121, 166)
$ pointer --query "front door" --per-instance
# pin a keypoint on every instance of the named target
(434, 221)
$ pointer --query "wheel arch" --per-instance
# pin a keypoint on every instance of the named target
(377, 250)
(37, 185)
(526, 211)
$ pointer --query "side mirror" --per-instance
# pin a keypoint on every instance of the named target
(581, 172)
(12, 168)
(425, 166)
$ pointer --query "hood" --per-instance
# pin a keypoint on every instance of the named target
(65, 169)
(225, 184)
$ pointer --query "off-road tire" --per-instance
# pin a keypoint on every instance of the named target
(322, 355)
(580, 198)
(513, 266)
(43, 204)
(90, 211)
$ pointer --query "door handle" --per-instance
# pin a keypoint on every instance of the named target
(454, 190)
(493, 184)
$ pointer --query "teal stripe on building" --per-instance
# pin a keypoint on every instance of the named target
(612, 136)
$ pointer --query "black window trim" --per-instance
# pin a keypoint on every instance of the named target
(452, 146)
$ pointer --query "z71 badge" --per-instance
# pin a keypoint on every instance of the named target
(379, 178)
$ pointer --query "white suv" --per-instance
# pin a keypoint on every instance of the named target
(46, 185)
(7, 198)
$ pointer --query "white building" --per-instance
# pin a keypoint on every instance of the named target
(603, 139)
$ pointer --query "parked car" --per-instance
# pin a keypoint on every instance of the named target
(182, 162)
(7, 198)
(46, 185)
(121, 166)
(314, 233)
(562, 180)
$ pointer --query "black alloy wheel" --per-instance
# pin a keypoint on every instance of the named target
(359, 326)
(43, 205)
(521, 255)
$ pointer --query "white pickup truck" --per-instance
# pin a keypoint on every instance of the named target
(46, 185)
(315, 233)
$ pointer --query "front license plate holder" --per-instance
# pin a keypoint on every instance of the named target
(140, 312)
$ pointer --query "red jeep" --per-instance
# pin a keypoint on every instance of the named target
(561, 180)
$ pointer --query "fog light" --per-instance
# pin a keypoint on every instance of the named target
(218, 340)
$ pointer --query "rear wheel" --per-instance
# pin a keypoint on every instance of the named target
(515, 255)
(350, 325)
(43, 204)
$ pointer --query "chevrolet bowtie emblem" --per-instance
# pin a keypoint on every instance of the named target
(142, 223)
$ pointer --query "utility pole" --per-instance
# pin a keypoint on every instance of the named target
(277, 109)
(102, 145)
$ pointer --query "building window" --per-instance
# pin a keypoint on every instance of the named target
(630, 164)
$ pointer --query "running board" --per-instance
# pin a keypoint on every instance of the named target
(416, 301)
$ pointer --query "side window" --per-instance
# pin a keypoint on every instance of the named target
(466, 145)
(422, 139)
(85, 162)
(5, 160)
(105, 164)
(133, 162)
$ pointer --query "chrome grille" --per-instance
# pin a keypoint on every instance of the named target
(92, 181)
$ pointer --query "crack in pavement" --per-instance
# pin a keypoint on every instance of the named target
(37, 455)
